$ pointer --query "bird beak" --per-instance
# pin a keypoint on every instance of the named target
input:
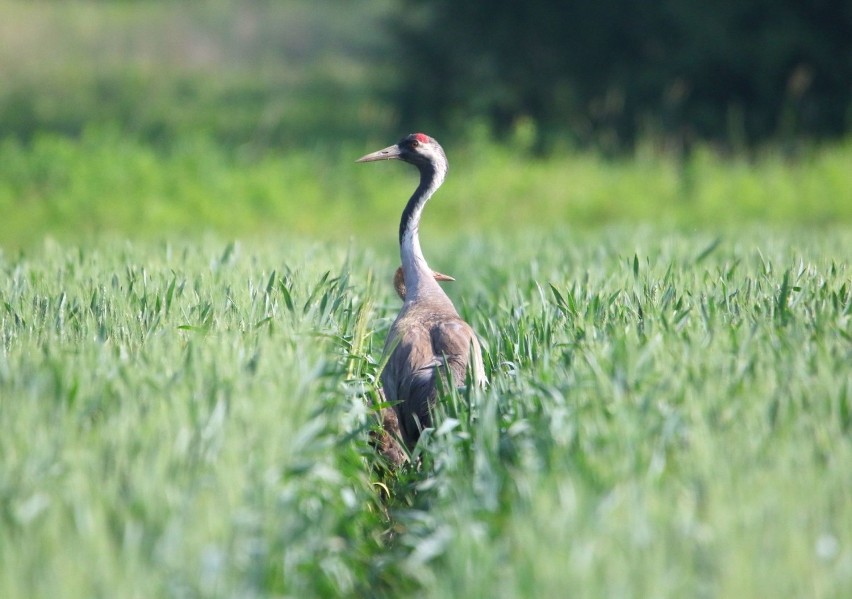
(389, 153)
(442, 277)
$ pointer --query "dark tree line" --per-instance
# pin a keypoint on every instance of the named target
(610, 71)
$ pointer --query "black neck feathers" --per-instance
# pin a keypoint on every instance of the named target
(421, 195)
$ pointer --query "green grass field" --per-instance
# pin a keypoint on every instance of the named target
(668, 415)
(194, 294)
(109, 183)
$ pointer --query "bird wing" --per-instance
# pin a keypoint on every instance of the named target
(408, 379)
(423, 351)
(455, 344)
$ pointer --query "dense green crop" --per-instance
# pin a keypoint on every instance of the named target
(668, 336)
(668, 415)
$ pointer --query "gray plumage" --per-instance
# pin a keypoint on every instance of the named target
(428, 342)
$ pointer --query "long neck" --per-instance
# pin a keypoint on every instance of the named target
(419, 281)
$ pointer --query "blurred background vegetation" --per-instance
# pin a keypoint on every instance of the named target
(610, 72)
(161, 117)
(252, 75)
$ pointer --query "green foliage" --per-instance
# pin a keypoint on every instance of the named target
(247, 74)
(667, 415)
(108, 183)
(612, 72)
(179, 421)
(258, 75)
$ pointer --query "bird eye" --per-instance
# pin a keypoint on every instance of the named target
(414, 143)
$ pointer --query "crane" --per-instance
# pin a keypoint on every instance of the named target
(386, 440)
(428, 341)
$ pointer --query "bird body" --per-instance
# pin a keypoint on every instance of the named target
(386, 439)
(428, 344)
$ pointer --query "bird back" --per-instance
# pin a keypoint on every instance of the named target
(425, 345)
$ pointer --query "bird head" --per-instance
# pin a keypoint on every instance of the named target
(418, 149)
(399, 281)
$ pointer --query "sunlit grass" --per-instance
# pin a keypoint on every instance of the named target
(668, 415)
(668, 338)
(107, 182)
